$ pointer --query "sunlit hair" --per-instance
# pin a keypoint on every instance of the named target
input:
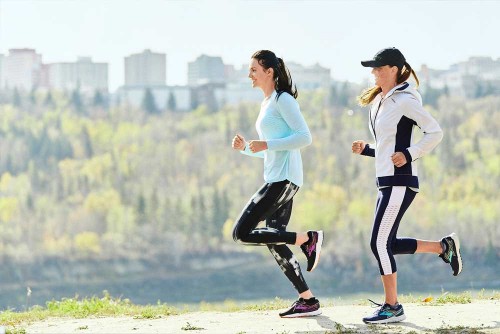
(366, 97)
(282, 78)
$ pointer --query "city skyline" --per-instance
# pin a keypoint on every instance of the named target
(335, 34)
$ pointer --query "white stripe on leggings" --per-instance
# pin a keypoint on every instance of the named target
(388, 220)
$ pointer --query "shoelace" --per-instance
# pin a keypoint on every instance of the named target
(376, 304)
(298, 302)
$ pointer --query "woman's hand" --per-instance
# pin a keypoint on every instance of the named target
(257, 145)
(398, 159)
(238, 143)
(358, 146)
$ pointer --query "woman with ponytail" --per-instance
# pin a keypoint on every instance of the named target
(395, 109)
(282, 133)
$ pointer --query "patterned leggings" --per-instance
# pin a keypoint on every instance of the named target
(272, 203)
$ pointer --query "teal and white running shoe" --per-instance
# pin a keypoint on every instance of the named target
(386, 314)
(451, 253)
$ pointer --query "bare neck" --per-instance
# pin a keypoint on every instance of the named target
(268, 89)
(387, 88)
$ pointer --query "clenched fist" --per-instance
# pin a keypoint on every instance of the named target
(238, 143)
(358, 146)
(257, 145)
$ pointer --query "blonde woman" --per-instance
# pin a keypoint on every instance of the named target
(396, 108)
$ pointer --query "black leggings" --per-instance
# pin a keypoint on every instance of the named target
(392, 203)
(272, 203)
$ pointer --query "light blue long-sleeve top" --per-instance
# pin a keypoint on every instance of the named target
(282, 126)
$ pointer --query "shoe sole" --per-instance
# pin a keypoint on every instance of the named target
(319, 243)
(386, 321)
(302, 315)
(455, 239)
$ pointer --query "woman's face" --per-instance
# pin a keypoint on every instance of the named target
(385, 75)
(258, 74)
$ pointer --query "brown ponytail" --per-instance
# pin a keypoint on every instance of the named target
(281, 74)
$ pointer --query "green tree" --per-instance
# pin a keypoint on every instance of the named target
(98, 100)
(344, 95)
(141, 209)
(16, 98)
(333, 96)
(76, 101)
(195, 100)
(87, 143)
(49, 100)
(446, 90)
(171, 103)
(479, 90)
(148, 102)
(33, 95)
(219, 213)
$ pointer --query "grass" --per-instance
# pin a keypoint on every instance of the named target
(445, 297)
(458, 330)
(83, 308)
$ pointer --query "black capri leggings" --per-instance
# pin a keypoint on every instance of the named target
(273, 203)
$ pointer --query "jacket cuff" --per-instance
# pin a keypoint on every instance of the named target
(368, 151)
(407, 155)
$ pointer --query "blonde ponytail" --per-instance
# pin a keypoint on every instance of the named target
(368, 95)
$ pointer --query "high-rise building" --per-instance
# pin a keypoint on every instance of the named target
(146, 69)
(21, 69)
(83, 74)
(206, 70)
(1, 69)
(472, 78)
(163, 97)
(309, 77)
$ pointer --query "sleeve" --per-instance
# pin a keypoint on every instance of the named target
(247, 151)
(413, 109)
(301, 136)
(368, 151)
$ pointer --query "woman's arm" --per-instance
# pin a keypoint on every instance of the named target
(413, 109)
(301, 136)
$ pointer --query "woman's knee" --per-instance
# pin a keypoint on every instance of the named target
(239, 233)
(236, 233)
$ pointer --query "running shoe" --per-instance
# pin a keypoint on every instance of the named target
(451, 253)
(386, 314)
(302, 308)
(312, 248)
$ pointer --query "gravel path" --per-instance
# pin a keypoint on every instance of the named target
(483, 316)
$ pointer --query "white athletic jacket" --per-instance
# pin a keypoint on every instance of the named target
(391, 122)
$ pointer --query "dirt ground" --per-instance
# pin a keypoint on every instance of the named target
(478, 317)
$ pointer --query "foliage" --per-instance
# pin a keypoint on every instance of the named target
(87, 307)
(148, 102)
(138, 182)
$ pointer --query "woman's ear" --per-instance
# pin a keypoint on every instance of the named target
(395, 70)
(270, 72)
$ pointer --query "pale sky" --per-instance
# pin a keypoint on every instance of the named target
(335, 34)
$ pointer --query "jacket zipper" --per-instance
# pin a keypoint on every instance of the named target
(372, 121)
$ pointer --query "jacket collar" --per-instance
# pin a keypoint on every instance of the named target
(402, 86)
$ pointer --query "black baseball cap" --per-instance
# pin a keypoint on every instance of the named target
(387, 56)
